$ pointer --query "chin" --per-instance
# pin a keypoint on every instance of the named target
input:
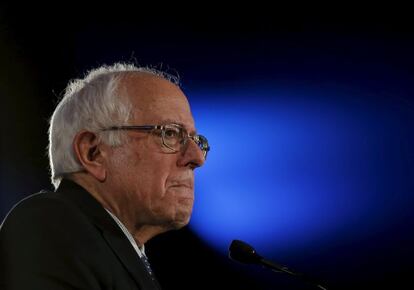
(178, 224)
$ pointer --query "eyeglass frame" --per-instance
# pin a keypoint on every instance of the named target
(151, 128)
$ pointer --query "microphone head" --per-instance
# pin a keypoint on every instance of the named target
(243, 253)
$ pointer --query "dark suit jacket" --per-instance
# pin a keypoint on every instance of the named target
(66, 240)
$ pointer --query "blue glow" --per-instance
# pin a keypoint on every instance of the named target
(289, 170)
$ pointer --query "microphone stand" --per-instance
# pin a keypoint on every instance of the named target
(279, 268)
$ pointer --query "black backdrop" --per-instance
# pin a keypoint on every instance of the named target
(41, 48)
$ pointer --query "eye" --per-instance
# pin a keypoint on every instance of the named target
(172, 132)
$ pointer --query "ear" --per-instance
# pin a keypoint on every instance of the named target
(89, 152)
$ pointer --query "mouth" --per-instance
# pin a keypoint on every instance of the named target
(182, 184)
(183, 190)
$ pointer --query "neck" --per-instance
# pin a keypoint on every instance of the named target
(140, 232)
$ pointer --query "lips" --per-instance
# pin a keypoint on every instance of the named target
(183, 189)
(182, 183)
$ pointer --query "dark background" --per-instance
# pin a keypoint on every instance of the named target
(41, 48)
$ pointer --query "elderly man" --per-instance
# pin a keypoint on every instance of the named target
(123, 149)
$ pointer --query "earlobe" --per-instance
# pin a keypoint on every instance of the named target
(87, 149)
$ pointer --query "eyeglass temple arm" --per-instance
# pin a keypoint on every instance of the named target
(143, 128)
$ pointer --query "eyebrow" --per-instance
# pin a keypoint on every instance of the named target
(171, 121)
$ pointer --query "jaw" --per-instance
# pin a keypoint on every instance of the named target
(147, 232)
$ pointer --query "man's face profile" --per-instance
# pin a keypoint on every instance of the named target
(151, 183)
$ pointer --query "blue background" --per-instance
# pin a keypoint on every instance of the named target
(310, 121)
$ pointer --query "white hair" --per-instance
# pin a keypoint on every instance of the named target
(91, 103)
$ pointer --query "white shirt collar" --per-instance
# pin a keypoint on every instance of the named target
(140, 250)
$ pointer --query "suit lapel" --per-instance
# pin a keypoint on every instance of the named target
(111, 232)
(127, 255)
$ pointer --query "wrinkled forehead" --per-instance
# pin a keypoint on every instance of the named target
(155, 100)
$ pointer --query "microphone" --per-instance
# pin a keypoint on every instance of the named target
(244, 253)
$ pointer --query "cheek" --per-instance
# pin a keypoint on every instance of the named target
(156, 173)
(125, 173)
(123, 165)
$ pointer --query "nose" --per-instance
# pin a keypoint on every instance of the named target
(191, 156)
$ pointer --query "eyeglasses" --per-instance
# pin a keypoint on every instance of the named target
(174, 136)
